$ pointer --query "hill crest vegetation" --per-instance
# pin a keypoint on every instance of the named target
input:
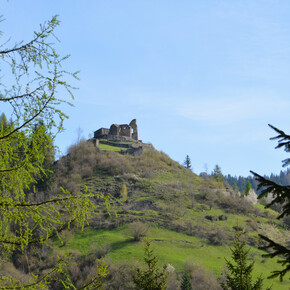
(163, 194)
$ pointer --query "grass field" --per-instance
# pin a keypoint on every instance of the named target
(105, 147)
(181, 247)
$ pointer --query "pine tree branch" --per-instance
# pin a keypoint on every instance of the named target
(280, 251)
(280, 193)
(282, 136)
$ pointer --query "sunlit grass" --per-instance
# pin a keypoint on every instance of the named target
(170, 247)
(105, 147)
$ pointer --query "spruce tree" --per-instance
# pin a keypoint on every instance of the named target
(239, 276)
(217, 174)
(151, 278)
(187, 162)
(185, 283)
(281, 195)
(247, 188)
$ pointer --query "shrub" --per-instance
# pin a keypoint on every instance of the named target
(120, 277)
(113, 163)
(200, 278)
(124, 193)
(102, 251)
(219, 237)
(274, 233)
(66, 235)
(234, 204)
(138, 230)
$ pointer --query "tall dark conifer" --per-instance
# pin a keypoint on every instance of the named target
(187, 162)
(281, 195)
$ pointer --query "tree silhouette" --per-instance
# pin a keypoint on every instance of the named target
(281, 195)
(187, 162)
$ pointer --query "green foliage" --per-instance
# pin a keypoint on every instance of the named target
(106, 147)
(172, 247)
(185, 283)
(26, 151)
(217, 174)
(281, 196)
(247, 188)
(124, 193)
(239, 276)
(45, 179)
(236, 188)
(187, 162)
(3, 122)
(151, 278)
(138, 230)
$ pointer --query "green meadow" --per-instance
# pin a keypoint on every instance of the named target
(170, 247)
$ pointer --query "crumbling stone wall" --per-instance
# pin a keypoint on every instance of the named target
(125, 130)
(102, 132)
(114, 130)
(128, 131)
(134, 126)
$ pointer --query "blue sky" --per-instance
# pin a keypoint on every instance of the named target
(202, 78)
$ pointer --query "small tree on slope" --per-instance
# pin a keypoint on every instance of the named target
(239, 276)
(187, 162)
(185, 283)
(217, 173)
(151, 278)
(247, 189)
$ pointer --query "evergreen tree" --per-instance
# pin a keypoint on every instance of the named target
(217, 174)
(186, 283)
(236, 188)
(187, 162)
(3, 122)
(239, 276)
(247, 188)
(281, 196)
(151, 278)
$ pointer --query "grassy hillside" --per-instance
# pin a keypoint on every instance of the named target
(189, 217)
(170, 247)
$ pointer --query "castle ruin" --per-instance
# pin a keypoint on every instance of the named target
(117, 132)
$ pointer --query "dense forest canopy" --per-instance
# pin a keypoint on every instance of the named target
(283, 178)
